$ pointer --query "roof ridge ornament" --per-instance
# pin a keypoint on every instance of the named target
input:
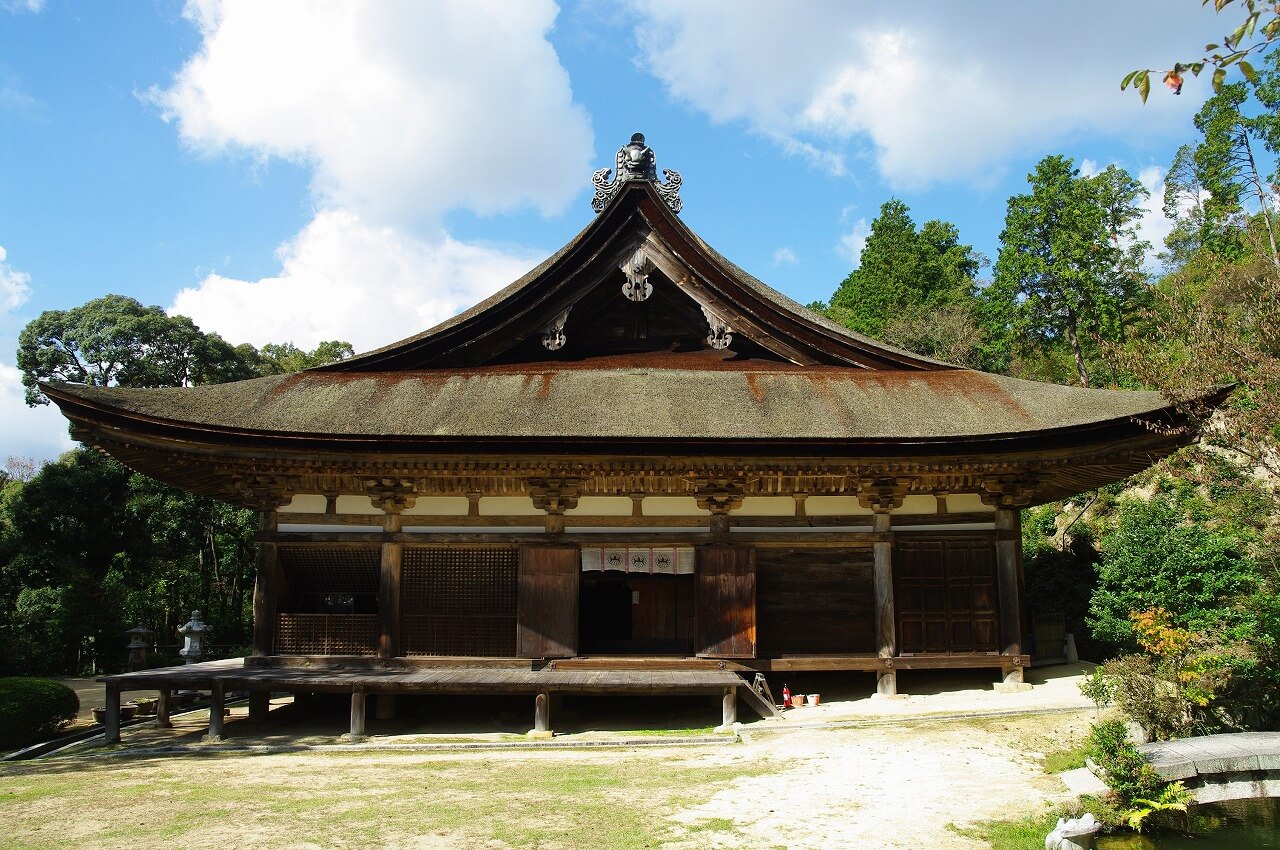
(635, 161)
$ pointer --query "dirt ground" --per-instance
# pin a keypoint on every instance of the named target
(853, 772)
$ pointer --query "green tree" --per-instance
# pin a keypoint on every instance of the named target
(903, 275)
(1069, 268)
(116, 340)
(1166, 552)
(283, 358)
(1227, 170)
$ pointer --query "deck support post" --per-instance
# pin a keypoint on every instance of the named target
(541, 716)
(882, 580)
(728, 710)
(163, 707)
(111, 724)
(384, 707)
(389, 591)
(259, 706)
(216, 709)
(266, 586)
(1009, 585)
(357, 732)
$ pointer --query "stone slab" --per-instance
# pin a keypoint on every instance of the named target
(1081, 781)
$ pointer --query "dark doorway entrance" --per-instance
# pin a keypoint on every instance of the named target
(636, 614)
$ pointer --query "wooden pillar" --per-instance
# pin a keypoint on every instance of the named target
(1008, 582)
(163, 708)
(111, 724)
(266, 586)
(389, 591)
(729, 708)
(216, 707)
(357, 714)
(259, 706)
(882, 580)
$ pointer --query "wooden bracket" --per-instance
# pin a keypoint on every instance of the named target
(718, 495)
(264, 492)
(555, 495)
(1009, 491)
(882, 494)
(392, 495)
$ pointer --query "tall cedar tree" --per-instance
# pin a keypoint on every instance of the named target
(1227, 170)
(902, 269)
(1069, 268)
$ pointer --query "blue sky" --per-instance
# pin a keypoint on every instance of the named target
(305, 171)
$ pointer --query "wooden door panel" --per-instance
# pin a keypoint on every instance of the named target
(947, 586)
(547, 603)
(726, 602)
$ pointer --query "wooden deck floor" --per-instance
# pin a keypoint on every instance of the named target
(234, 674)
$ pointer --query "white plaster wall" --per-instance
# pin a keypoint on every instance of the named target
(439, 506)
(672, 506)
(964, 503)
(918, 505)
(602, 506)
(766, 506)
(305, 504)
(356, 505)
(834, 506)
(508, 506)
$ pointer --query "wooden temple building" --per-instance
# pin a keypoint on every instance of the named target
(636, 469)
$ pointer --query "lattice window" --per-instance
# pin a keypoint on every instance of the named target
(313, 569)
(458, 601)
(442, 634)
(327, 634)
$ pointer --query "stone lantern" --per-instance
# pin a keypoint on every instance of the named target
(138, 647)
(193, 632)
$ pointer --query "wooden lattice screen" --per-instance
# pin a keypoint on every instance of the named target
(314, 573)
(327, 634)
(347, 569)
(459, 601)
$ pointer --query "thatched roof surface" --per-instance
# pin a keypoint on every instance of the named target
(696, 396)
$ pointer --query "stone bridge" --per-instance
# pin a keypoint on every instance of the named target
(1214, 768)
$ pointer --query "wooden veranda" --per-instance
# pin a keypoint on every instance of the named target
(361, 679)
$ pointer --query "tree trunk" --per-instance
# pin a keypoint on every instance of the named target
(1262, 196)
(1074, 338)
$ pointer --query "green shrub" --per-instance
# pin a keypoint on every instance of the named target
(1124, 769)
(32, 710)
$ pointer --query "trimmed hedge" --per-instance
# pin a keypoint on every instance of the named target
(32, 710)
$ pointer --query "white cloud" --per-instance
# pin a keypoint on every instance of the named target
(852, 243)
(342, 278)
(18, 6)
(15, 286)
(1089, 168)
(785, 256)
(404, 111)
(39, 432)
(935, 91)
(1154, 226)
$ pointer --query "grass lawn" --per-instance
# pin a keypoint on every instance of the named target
(602, 800)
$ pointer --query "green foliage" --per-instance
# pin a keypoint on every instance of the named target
(283, 358)
(32, 710)
(1124, 769)
(1097, 689)
(902, 268)
(1174, 798)
(1164, 552)
(1060, 761)
(1069, 268)
(116, 340)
